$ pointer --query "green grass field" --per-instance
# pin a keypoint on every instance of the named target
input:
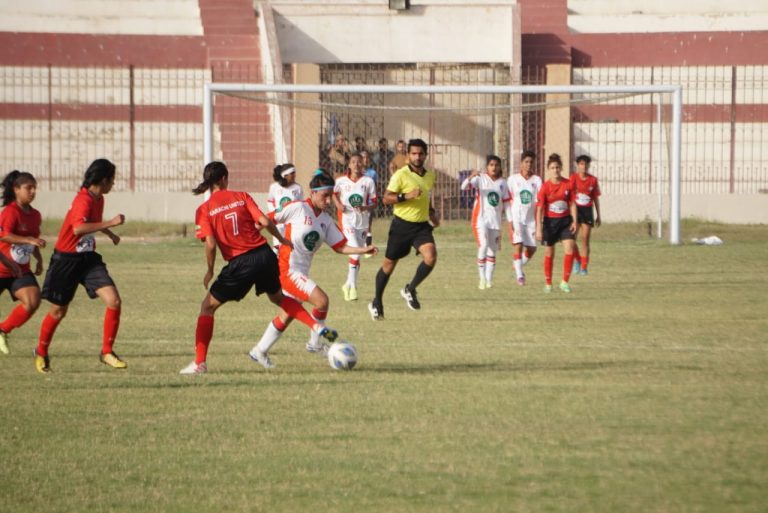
(645, 390)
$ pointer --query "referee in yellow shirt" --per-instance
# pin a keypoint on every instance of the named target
(409, 191)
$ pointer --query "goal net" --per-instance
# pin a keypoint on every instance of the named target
(631, 134)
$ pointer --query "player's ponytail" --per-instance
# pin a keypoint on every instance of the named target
(12, 180)
(97, 172)
(281, 171)
(213, 173)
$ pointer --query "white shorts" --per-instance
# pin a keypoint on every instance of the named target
(297, 285)
(355, 236)
(524, 233)
(487, 237)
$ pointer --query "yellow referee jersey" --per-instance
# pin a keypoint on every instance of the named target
(404, 180)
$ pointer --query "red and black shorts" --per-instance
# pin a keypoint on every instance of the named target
(556, 229)
(404, 235)
(13, 284)
(256, 268)
(68, 270)
(585, 215)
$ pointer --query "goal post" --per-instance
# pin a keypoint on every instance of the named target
(435, 113)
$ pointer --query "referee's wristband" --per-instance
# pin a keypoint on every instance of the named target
(400, 197)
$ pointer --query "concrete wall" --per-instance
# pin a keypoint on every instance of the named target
(618, 16)
(171, 207)
(368, 31)
(160, 17)
(180, 207)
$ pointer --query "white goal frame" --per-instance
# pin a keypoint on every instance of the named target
(674, 90)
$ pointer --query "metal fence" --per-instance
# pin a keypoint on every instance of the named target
(53, 121)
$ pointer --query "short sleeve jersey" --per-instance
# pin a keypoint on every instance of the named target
(307, 230)
(491, 198)
(278, 195)
(14, 220)
(404, 180)
(85, 208)
(355, 193)
(556, 198)
(231, 218)
(585, 191)
(525, 192)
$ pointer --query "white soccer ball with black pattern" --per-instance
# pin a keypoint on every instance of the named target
(342, 356)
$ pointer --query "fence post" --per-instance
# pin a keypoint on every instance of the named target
(132, 129)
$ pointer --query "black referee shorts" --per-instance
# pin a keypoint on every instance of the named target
(404, 235)
(556, 229)
(256, 268)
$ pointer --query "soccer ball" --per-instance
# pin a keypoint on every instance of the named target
(342, 356)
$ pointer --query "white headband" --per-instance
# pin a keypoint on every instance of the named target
(287, 172)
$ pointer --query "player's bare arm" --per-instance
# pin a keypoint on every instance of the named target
(539, 221)
(39, 259)
(574, 216)
(210, 259)
(597, 212)
(12, 238)
(115, 238)
(267, 223)
(86, 228)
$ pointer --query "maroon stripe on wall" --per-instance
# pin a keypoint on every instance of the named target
(143, 113)
(746, 113)
(662, 49)
(82, 50)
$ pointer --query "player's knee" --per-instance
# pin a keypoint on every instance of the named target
(114, 303)
(58, 312)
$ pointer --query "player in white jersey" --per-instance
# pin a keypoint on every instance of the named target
(307, 226)
(525, 187)
(283, 190)
(491, 197)
(355, 199)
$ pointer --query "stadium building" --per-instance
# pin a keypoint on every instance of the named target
(124, 79)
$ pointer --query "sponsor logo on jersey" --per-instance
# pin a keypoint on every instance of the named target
(356, 200)
(493, 198)
(526, 197)
(311, 239)
(282, 202)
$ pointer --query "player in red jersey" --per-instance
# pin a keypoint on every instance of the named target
(556, 221)
(586, 194)
(232, 221)
(75, 262)
(19, 241)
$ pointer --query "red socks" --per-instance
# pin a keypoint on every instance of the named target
(203, 335)
(47, 329)
(548, 269)
(567, 266)
(294, 309)
(16, 318)
(584, 261)
(279, 325)
(111, 325)
(576, 254)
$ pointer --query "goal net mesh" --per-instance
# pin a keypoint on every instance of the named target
(621, 132)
